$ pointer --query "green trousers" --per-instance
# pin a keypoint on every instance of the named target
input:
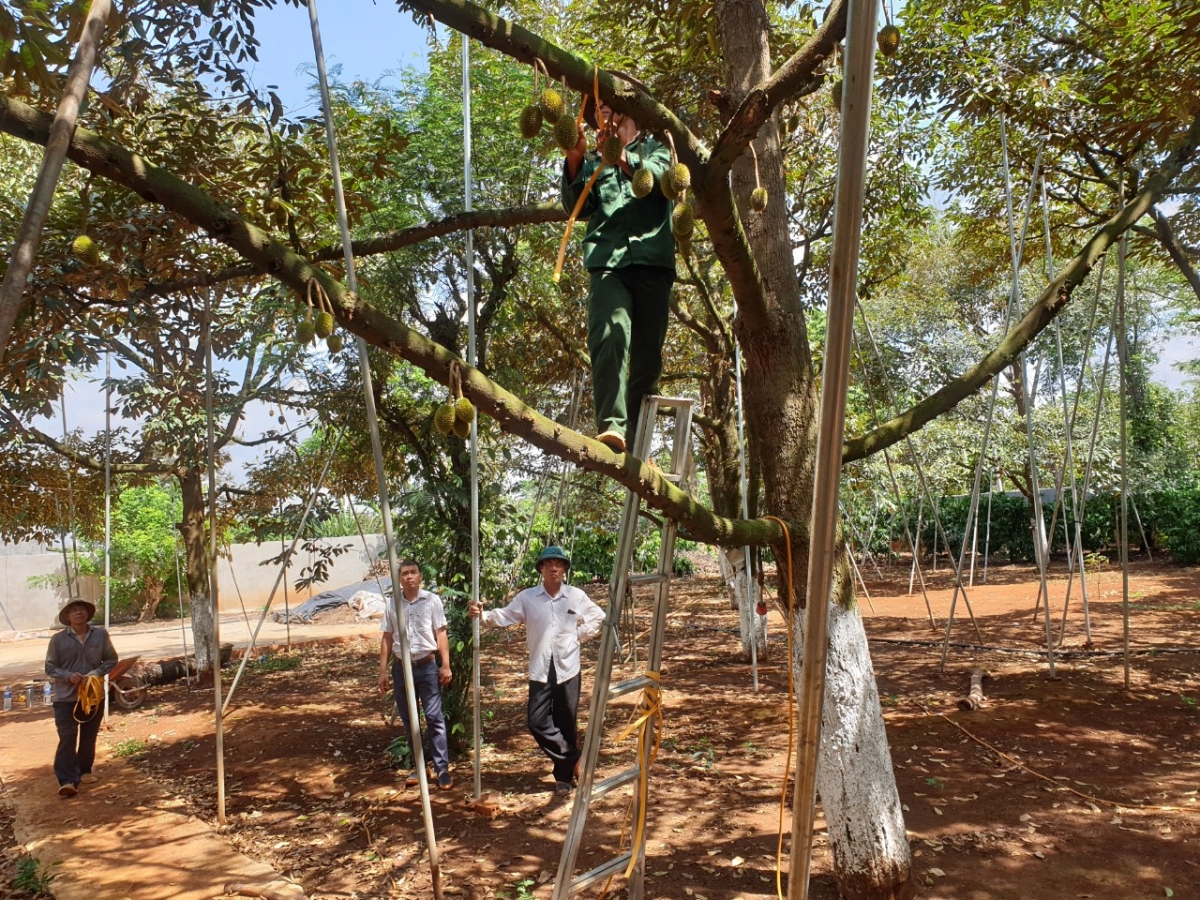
(628, 310)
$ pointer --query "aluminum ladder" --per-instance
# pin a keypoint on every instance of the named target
(589, 790)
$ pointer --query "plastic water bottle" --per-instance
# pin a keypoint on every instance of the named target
(47, 694)
(7, 698)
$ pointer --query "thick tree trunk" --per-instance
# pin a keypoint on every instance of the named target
(196, 553)
(152, 594)
(854, 778)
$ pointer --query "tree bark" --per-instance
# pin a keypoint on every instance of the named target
(854, 776)
(192, 529)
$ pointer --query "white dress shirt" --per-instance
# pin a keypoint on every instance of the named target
(554, 627)
(423, 616)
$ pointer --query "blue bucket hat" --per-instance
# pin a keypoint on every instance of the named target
(552, 552)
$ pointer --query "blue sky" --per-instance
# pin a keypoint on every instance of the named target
(366, 39)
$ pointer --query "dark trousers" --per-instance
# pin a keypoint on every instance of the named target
(628, 311)
(429, 699)
(552, 711)
(76, 741)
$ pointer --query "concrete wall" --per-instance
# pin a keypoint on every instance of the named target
(240, 577)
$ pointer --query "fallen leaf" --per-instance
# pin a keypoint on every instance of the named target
(938, 872)
(736, 861)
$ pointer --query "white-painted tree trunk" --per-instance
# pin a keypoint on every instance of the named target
(855, 782)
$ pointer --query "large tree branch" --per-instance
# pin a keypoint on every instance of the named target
(110, 160)
(790, 79)
(82, 459)
(1165, 235)
(1048, 305)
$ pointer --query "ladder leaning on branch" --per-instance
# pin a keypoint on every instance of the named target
(647, 717)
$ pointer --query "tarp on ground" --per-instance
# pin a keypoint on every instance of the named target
(331, 600)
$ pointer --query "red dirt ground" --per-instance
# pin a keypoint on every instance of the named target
(1064, 787)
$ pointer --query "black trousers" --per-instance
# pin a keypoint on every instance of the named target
(76, 741)
(552, 711)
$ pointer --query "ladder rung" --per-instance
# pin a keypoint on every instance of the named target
(612, 867)
(671, 402)
(672, 477)
(600, 788)
(633, 684)
(648, 578)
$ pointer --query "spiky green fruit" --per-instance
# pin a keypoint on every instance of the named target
(323, 326)
(667, 184)
(85, 250)
(334, 343)
(531, 121)
(443, 418)
(758, 199)
(683, 220)
(566, 132)
(551, 105)
(681, 177)
(835, 95)
(464, 410)
(643, 183)
(612, 149)
(462, 429)
(305, 332)
(888, 40)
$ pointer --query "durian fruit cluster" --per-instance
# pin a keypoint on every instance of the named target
(456, 414)
(548, 107)
(322, 324)
(675, 184)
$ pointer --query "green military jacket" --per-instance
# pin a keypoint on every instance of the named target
(623, 230)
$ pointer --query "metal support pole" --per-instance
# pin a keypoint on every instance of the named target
(218, 711)
(385, 506)
(824, 546)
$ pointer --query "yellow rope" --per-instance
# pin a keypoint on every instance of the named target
(646, 720)
(91, 695)
(787, 766)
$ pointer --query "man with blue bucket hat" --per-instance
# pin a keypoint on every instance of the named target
(556, 617)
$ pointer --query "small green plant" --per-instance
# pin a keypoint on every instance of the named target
(1189, 701)
(935, 782)
(702, 753)
(275, 663)
(33, 877)
(400, 752)
(130, 747)
(522, 889)
(889, 700)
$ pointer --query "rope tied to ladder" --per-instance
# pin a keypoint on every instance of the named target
(646, 721)
(787, 766)
(91, 695)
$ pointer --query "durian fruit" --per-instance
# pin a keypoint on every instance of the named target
(443, 418)
(462, 429)
(683, 220)
(888, 40)
(531, 121)
(643, 183)
(612, 150)
(551, 105)
(85, 250)
(334, 343)
(681, 177)
(323, 327)
(667, 183)
(566, 132)
(758, 199)
(305, 332)
(835, 95)
(464, 410)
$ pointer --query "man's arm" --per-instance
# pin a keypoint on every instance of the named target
(443, 644)
(54, 668)
(591, 618)
(385, 654)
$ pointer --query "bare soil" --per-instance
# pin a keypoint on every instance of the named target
(1070, 786)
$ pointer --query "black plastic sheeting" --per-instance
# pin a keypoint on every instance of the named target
(331, 600)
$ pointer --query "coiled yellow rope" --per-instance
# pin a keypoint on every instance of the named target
(647, 722)
(787, 766)
(91, 695)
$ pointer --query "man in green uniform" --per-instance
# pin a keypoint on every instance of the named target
(629, 251)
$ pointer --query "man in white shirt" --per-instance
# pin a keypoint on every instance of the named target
(556, 617)
(425, 624)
